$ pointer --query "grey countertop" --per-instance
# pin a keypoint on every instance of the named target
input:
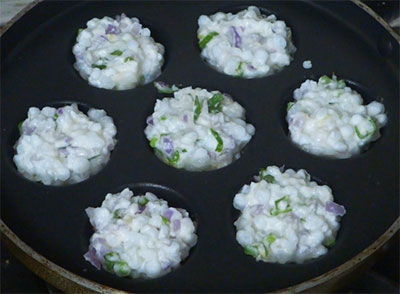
(9, 8)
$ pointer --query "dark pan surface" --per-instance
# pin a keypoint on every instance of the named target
(37, 71)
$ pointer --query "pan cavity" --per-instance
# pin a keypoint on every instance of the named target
(117, 54)
(328, 118)
(141, 232)
(62, 145)
(197, 129)
(247, 44)
(285, 217)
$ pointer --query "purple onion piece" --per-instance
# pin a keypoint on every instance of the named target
(112, 29)
(166, 266)
(27, 130)
(141, 209)
(136, 27)
(237, 38)
(68, 139)
(185, 118)
(103, 38)
(250, 67)
(168, 214)
(168, 145)
(63, 151)
(60, 111)
(176, 225)
(335, 208)
(91, 256)
(149, 120)
(212, 155)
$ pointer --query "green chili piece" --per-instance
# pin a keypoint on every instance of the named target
(289, 105)
(266, 177)
(110, 259)
(197, 108)
(100, 66)
(251, 250)
(174, 158)
(220, 145)
(165, 220)
(118, 213)
(204, 41)
(276, 211)
(122, 269)
(325, 80)
(341, 84)
(329, 242)
(239, 70)
(129, 59)
(215, 103)
(143, 201)
(20, 127)
(153, 142)
(117, 53)
(270, 238)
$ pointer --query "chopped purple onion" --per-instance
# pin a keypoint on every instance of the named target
(166, 266)
(92, 257)
(168, 214)
(168, 145)
(212, 155)
(27, 130)
(149, 120)
(141, 209)
(112, 29)
(63, 151)
(185, 118)
(60, 111)
(237, 38)
(68, 139)
(136, 27)
(335, 208)
(250, 67)
(257, 209)
(176, 225)
(103, 38)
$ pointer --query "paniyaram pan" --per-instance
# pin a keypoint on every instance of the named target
(53, 231)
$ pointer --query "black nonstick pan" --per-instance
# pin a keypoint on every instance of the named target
(47, 226)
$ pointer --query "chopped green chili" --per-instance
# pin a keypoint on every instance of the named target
(116, 53)
(204, 41)
(215, 103)
(220, 145)
(197, 109)
(276, 211)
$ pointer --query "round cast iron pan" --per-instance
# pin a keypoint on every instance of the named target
(338, 37)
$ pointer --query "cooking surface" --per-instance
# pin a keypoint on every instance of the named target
(365, 185)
